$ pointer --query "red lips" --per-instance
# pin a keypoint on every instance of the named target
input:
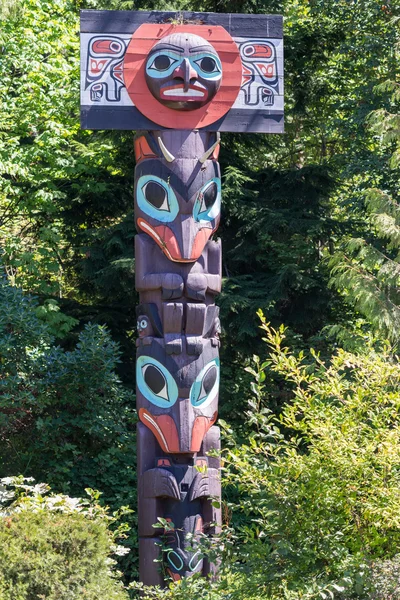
(165, 238)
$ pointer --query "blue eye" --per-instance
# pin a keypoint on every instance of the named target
(206, 386)
(175, 560)
(207, 66)
(208, 202)
(156, 198)
(195, 561)
(162, 64)
(155, 382)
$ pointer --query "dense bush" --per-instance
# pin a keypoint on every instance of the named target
(64, 415)
(55, 548)
(320, 486)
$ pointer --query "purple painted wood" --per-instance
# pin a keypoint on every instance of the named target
(127, 21)
(178, 274)
(180, 491)
(179, 79)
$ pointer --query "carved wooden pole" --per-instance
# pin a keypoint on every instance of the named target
(179, 85)
(178, 273)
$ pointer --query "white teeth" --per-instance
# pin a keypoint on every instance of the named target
(181, 92)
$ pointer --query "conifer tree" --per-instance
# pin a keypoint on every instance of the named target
(367, 269)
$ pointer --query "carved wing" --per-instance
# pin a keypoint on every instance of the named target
(205, 484)
(160, 483)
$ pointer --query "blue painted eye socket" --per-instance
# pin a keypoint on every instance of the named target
(175, 560)
(195, 561)
(206, 386)
(155, 382)
(156, 198)
(208, 202)
(163, 63)
(207, 65)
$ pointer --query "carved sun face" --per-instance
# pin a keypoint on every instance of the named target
(183, 71)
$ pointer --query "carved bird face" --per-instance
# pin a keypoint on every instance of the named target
(183, 71)
(182, 558)
(177, 396)
(178, 205)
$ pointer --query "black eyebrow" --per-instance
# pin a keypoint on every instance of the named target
(167, 47)
(201, 49)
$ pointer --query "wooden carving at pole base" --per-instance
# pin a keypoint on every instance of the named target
(178, 80)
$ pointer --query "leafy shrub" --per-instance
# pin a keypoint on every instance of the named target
(385, 580)
(315, 492)
(320, 485)
(65, 417)
(55, 548)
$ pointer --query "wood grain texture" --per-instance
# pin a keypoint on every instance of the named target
(179, 490)
(138, 51)
(129, 118)
(178, 274)
(121, 21)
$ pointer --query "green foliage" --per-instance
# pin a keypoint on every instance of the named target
(38, 50)
(64, 192)
(385, 580)
(320, 484)
(368, 278)
(58, 323)
(55, 547)
(64, 415)
(366, 270)
(66, 230)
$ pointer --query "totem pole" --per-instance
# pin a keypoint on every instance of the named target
(179, 79)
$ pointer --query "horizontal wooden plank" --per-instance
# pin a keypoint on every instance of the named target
(258, 122)
(126, 21)
(129, 118)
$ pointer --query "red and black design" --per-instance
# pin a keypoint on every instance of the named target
(104, 69)
(260, 82)
(162, 70)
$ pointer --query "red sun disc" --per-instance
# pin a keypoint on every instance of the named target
(139, 47)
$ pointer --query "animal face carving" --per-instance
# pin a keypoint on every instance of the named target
(182, 559)
(185, 490)
(183, 71)
(143, 325)
(179, 215)
(177, 398)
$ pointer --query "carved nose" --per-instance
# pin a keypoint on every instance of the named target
(186, 72)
